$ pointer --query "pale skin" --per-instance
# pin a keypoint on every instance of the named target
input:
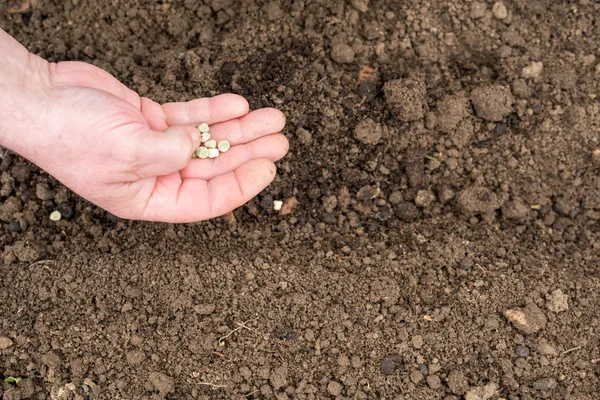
(127, 154)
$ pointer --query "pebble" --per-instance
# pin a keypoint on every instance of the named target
(417, 341)
(499, 10)
(361, 5)
(161, 382)
(14, 226)
(416, 377)
(388, 365)
(533, 70)
(545, 348)
(5, 343)
(522, 351)
(528, 320)
(545, 384)
(342, 53)
(557, 301)
(434, 381)
(424, 198)
(334, 388)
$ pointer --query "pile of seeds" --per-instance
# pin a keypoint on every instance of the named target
(209, 148)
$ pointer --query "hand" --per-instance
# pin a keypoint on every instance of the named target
(132, 156)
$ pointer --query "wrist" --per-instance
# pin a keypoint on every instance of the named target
(23, 84)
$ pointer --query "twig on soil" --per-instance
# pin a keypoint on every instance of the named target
(212, 385)
(571, 350)
(241, 325)
(251, 393)
(42, 262)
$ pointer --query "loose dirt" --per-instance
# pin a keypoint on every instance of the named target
(452, 252)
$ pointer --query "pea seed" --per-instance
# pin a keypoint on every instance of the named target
(210, 144)
(55, 216)
(202, 152)
(277, 204)
(213, 153)
(205, 136)
(203, 128)
(223, 146)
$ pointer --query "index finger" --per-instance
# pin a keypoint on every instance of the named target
(210, 110)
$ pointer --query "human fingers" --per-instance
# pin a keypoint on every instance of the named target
(272, 147)
(211, 110)
(254, 125)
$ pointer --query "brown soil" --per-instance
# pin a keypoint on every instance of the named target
(454, 253)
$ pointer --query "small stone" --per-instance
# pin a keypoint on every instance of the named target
(533, 70)
(482, 392)
(528, 320)
(545, 348)
(545, 384)
(457, 382)
(388, 365)
(161, 382)
(55, 216)
(334, 388)
(557, 301)
(499, 10)
(202, 152)
(204, 128)
(210, 144)
(417, 341)
(522, 351)
(406, 98)
(213, 153)
(493, 102)
(368, 132)
(5, 343)
(416, 377)
(14, 226)
(434, 381)
(361, 5)
(223, 146)
(277, 204)
(342, 53)
(424, 198)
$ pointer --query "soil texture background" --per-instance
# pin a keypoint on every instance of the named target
(440, 235)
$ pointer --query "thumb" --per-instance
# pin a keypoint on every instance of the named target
(168, 151)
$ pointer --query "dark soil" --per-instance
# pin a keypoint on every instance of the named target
(454, 253)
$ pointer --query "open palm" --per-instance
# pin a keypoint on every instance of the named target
(132, 156)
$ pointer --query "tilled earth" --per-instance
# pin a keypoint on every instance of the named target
(440, 235)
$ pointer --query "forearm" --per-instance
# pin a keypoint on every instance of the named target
(23, 88)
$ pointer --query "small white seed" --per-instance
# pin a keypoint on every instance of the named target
(55, 216)
(277, 204)
(202, 152)
(203, 128)
(223, 146)
(213, 153)
(205, 136)
(210, 144)
(194, 155)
